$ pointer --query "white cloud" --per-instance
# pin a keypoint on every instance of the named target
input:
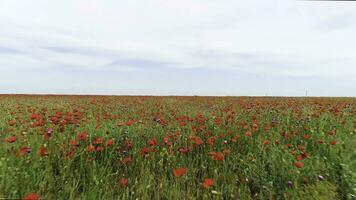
(279, 38)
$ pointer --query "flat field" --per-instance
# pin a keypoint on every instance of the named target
(126, 147)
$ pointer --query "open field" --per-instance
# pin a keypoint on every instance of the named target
(94, 147)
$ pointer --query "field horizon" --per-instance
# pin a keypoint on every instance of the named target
(147, 95)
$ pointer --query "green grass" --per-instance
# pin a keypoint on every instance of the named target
(251, 168)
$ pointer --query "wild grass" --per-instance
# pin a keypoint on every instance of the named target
(86, 147)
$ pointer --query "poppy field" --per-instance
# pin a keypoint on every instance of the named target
(142, 147)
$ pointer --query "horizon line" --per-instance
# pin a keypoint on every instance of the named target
(171, 95)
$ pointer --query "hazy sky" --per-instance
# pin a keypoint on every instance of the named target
(178, 47)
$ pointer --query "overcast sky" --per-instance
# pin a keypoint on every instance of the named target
(178, 47)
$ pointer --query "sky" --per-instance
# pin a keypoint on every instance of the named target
(178, 47)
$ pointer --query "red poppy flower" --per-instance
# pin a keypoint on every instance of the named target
(123, 182)
(307, 136)
(109, 143)
(255, 127)
(183, 150)
(211, 140)
(98, 141)
(146, 150)
(218, 121)
(236, 138)
(74, 143)
(319, 142)
(208, 182)
(129, 145)
(31, 196)
(265, 142)
(332, 132)
(12, 123)
(166, 141)
(197, 140)
(178, 172)
(301, 156)
(34, 116)
(130, 122)
(217, 156)
(90, 148)
(54, 120)
(152, 142)
(332, 142)
(248, 133)
(182, 124)
(83, 136)
(99, 148)
(298, 164)
(11, 139)
(24, 150)
(43, 151)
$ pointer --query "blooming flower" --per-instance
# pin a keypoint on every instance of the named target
(83, 136)
(265, 142)
(146, 150)
(31, 196)
(123, 182)
(130, 122)
(24, 150)
(307, 136)
(183, 150)
(217, 156)
(211, 140)
(74, 143)
(90, 148)
(109, 143)
(11, 139)
(248, 133)
(98, 140)
(298, 164)
(319, 141)
(152, 142)
(43, 151)
(99, 148)
(208, 182)
(178, 172)
(197, 141)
